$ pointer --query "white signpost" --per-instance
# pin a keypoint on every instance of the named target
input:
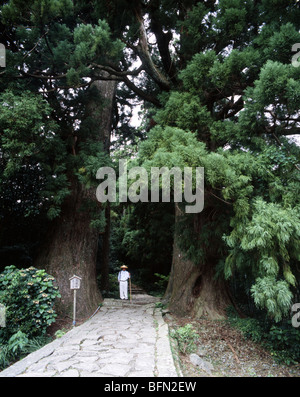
(75, 285)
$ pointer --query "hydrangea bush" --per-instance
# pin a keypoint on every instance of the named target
(29, 296)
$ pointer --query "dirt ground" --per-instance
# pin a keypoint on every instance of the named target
(228, 353)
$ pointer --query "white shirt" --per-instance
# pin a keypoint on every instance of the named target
(123, 275)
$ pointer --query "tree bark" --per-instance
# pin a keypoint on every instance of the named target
(71, 248)
(105, 252)
(145, 56)
(107, 89)
(102, 115)
(192, 288)
(71, 244)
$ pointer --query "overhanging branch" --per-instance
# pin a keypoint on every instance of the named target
(145, 56)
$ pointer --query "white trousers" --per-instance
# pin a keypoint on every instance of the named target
(124, 289)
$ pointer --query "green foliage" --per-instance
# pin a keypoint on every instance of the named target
(91, 157)
(29, 296)
(281, 340)
(26, 128)
(241, 103)
(171, 147)
(250, 327)
(280, 43)
(194, 26)
(273, 295)
(185, 111)
(186, 338)
(160, 305)
(43, 11)
(162, 283)
(195, 76)
(95, 43)
(17, 342)
(30, 142)
(271, 238)
(59, 333)
(12, 349)
(284, 342)
(264, 236)
(231, 100)
(136, 242)
(18, 346)
(113, 286)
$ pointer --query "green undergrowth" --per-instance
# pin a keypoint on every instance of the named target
(281, 339)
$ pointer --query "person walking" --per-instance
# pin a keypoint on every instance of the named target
(123, 278)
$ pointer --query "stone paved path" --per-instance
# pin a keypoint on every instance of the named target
(122, 339)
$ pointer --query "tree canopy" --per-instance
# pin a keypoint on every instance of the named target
(218, 90)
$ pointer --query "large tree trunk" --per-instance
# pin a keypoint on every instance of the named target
(71, 248)
(102, 115)
(192, 288)
(103, 121)
(105, 252)
(71, 244)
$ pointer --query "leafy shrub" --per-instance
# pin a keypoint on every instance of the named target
(11, 350)
(29, 296)
(17, 342)
(113, 286)
(160, 305)
(284, 342)
(186, 338)
(162, 283)
(281, 340)
(60, 333)
(250, 327)
(19, 346)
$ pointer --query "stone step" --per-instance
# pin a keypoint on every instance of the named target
(137, 300)
(136, 290)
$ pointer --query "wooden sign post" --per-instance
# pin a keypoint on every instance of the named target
(74, 285)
